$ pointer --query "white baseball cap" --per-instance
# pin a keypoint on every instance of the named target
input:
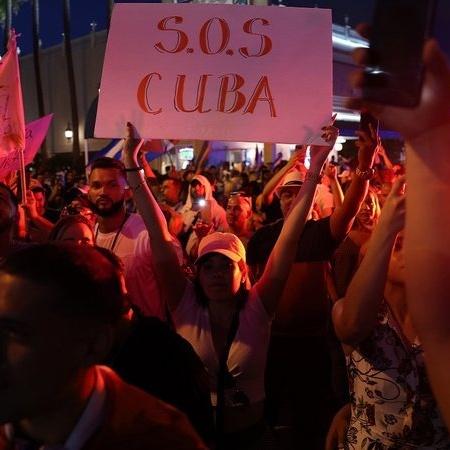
(292, 179)
(226, 244)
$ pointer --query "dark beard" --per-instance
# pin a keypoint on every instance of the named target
(110, 212)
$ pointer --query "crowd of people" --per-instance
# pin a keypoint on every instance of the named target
(276, 307)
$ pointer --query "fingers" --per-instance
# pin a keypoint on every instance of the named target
(330, 132)
(398, 188)
(130, 131)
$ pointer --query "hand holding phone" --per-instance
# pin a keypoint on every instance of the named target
(394, 71)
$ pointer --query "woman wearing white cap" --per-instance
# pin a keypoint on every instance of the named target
(225, 320)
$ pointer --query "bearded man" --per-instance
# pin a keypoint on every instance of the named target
(124, 234)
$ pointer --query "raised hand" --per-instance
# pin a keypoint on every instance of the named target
(367, 145)
(319, 153)
(330, 171)
(394, 209)
(30, 204)
(433, 109)
(131, 146)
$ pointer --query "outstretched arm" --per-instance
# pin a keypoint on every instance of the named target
(164, 257)
(426, 129)
(273, 279)
(382, 153)
(338, 196)
(355, 315)
(269, 189)
(204, 154)
(341, 220)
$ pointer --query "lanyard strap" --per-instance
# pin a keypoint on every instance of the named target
(223, 370)
(114, 242)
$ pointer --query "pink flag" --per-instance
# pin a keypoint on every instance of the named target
(12, 122)
(35, 133)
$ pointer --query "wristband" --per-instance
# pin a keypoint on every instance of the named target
(365, 174)
(134, 169)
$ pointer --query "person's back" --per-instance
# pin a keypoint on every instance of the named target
(57, 326)
(159, 361)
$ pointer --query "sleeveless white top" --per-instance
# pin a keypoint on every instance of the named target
(248, 352)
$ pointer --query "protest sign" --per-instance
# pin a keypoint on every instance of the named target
(35, 133)
(12, 123)
(222, 72)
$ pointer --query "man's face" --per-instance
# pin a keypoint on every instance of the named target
(238, 211)
(41, 353)
(40, 202)
(197, 190)
(171, 192)
(287, 196)
(8, 211)
(107, 191)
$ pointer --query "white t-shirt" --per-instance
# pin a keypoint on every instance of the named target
(132, 246)
(248, 352)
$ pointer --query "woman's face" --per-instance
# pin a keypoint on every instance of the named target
(78, 233)
(220, 277)
(367, 214)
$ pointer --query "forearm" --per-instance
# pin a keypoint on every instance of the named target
(147, 205)
(272, 184)
(204, 153)
(342, 218)
(427, 253)
(356, 314)
(336, 190)
(427, 231)
(387, 161)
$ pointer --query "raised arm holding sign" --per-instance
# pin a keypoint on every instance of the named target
(217, 72)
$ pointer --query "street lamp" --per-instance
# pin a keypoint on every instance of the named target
(68, 132)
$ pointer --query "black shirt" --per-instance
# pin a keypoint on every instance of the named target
(316, 242)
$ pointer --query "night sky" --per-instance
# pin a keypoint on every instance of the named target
(83, 12)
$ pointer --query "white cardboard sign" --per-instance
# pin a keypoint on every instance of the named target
(217, 72)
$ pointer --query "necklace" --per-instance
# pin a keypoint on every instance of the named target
(116, 237)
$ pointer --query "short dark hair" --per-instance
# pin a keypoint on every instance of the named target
(87, 284)
(12, 196)
(68, 221)
(175, 181)
(109, 163)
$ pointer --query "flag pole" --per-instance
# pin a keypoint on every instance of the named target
(23, 179)
(86, 156)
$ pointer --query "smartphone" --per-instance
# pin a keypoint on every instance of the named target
(368, 120)
(394, 71)
(205, 212)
